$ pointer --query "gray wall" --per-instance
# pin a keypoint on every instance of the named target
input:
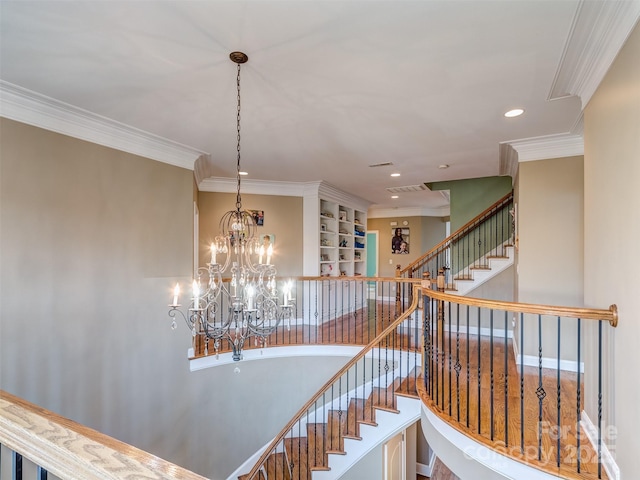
(611, 232)
(93, 240)
(550, 225)
(550, 260)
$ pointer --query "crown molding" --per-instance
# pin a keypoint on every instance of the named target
(320, 189)
(598, 32)
(508, 161)
(551, 146)
(32, 108)
(329, 192)
(255, 187)
(408, 212)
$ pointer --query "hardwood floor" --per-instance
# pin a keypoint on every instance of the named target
(356, 328)
(531, 417)
(440, 472)
(476, 387)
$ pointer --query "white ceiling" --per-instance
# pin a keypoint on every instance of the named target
(330, 88)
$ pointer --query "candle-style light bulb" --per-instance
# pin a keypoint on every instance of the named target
(250, 297)
(260, 254)
(176, 294)
(213, 253)
(269, 253)
(196, 295)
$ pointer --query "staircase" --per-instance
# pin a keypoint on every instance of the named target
(329, 448)
(472, 254)
(369, 400)
(483, 270)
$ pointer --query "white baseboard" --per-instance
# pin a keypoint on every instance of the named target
(547, 362)
(427, 470)
(608, 462)
(484, 331)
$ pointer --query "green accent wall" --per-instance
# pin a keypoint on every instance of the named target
(472, 196)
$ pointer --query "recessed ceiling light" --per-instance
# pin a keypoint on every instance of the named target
(243, 173)
(395, 174)
(394, 196)
(516, 112)
(443, 166)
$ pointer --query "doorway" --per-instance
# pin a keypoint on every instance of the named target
(372, 253)
(394, 457)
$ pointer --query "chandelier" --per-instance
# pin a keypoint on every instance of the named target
(235, 298)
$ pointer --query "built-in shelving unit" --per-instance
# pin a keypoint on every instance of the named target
(334, 232)
(342, 239)
(334, 224)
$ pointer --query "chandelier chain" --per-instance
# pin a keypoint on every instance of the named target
(238, 198)
(247, 304)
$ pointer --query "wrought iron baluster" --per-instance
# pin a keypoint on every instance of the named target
(491, 373)
(426, 343)
(497, 239)
(355, 389)
(318, 285)
(329, 423)
(437, 349)
(335, 310)
(506, 379)
(457, 366)
(578, 399)
(558, 386)
(468, 367)
(599, 398)
(540, 390)
(17, 465)
(479, 374)
(450, 360)
(521, 349)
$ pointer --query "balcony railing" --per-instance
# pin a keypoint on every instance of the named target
(384, 371)
(516, 378)
(330, 311)
(39, 444)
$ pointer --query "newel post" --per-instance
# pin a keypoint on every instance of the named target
(440, 284)
(398, 286)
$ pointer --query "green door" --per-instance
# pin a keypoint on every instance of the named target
(372, 254)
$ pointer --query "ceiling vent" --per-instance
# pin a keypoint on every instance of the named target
(384, 164)
(408, 188)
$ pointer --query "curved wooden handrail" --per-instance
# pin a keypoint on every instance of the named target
(343, 278)
(332, 380)
(423, 258)
(60, 446)
(610, 315)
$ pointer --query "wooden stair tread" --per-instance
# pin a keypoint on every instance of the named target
(362, 413)
(259, 477)
(407, 387)
(463, 277)
(336, 427)
(301, 460)
(317, 458)
(385, 398)
(278, 467)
